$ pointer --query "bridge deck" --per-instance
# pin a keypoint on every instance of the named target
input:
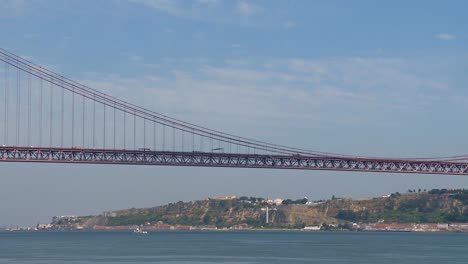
(215, 159)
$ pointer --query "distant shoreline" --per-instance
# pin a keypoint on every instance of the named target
(225, 231)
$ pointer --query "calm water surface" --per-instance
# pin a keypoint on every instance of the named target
(232, 247)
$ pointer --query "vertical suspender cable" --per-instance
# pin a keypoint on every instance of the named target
(125, 130)
(144, 133)
(83, 105)
(73, 118)
(18, 108)
(62, 117)
(41, 90)
(193, 139)
(94, 121)
(51, 113)
(104, 124)
(114, 125)
(154, 135)
(134, 131)
(7, 76)
(173, 138)
(164, 138)
(29, 112)
(201, 143)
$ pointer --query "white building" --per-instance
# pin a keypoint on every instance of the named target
(312, 228)
(278, 201)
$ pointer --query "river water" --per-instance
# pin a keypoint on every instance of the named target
(177, 247)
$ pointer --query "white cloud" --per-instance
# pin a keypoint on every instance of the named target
(131, 56)
(208, 2)
(196, 9)
(31, 35)
(216, 11)
(289, 24)
(10, 8)
(333, 90)
(135, 58)
(246, 8)
(445, 36)
(169, 30)
(168, 6)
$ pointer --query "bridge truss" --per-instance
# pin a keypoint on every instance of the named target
(205, 159)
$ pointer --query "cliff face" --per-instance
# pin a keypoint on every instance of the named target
(304, 215)
(412, 207)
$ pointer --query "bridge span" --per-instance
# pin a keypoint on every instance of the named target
(49, 118)
(214, 159)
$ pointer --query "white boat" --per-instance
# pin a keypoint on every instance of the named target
(139, 230)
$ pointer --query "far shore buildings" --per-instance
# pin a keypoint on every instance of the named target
(414, 227)
(227, 198)
(276, 201)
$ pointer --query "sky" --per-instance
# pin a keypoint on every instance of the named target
(355, 77)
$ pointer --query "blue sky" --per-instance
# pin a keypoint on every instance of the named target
(356, 77)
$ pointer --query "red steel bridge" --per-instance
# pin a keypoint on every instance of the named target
(49, 118)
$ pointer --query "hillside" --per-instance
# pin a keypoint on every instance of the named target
(435, 206)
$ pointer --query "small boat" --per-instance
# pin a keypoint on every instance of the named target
(139, 230)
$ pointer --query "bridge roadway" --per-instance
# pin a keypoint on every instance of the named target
(216, 159)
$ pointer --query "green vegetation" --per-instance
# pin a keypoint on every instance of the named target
(298, 201)
(435, 206)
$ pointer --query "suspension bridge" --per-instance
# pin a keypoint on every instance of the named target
(49, 118)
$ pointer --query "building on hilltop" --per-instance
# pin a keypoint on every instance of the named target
(227, 197)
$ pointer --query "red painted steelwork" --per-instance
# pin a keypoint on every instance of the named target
(204, 159)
